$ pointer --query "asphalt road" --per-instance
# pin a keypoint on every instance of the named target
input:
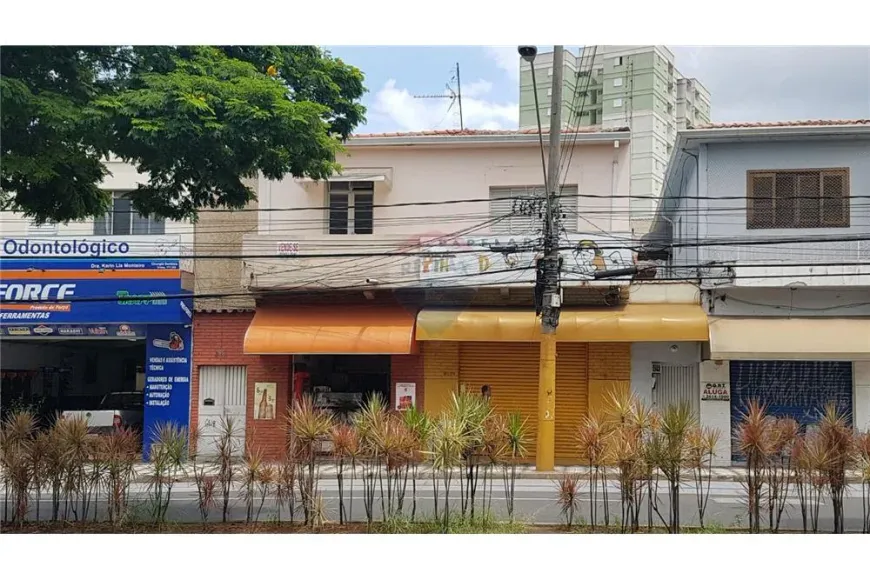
(535, 501)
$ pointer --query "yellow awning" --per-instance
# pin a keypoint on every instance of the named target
(630, 323)
(360, 329)
(789, 338)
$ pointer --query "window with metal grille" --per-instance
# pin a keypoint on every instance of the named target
(504, 200)
(123, 220)
(351, 207)
(803, 198)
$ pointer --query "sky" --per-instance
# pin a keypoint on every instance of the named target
(746, 83)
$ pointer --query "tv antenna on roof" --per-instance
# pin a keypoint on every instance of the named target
(454, 96)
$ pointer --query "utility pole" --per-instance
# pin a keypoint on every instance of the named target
(546, 446)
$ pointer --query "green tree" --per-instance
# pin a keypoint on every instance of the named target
(196, 119)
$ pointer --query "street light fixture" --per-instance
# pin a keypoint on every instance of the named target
(528, 53)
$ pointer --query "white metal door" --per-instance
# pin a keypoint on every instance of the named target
(675, 384)
(222, 398)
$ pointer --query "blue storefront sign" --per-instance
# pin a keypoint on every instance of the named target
(106, 288)
(108, 298)
(167, 378)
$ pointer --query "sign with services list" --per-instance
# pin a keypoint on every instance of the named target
(167, 379)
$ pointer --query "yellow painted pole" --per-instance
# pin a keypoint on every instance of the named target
(545, 458)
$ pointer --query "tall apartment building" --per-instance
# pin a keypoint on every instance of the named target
(637, 87)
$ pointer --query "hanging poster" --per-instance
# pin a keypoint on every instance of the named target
(264, 401)
(406, 396)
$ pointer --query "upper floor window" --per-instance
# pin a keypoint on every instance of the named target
(351, 207)
(503, 201)
(123, 220)
(802, 198)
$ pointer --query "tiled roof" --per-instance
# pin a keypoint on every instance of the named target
(481, 132)
(807, 123)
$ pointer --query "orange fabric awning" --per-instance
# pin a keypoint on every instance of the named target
(362, 329)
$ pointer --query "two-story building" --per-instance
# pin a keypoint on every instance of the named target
(412, 275)
(771, 222)
(95, 307)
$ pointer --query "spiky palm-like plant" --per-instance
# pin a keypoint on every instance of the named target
(309, 425)
(16, 440)
(838, 439)
(76, 444)
(285, 486)
(783, 431)
(370, 423)
(495, 452)
(119, 449)
(569, 486)
(449, 442)
(753, 436)
(669, 451)
(38, 457)
(267, 481)
(345, 446)
(252, 463)
(517, 441)
(167, 456)
(592, 444)
(471, 411)
(419, 426)
(627, 423)
(702, 443)
(862, 446)
(227, 451)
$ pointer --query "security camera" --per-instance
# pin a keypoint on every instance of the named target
(528, 52)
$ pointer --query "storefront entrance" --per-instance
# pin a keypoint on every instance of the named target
(52, 376)
(89, 316)
(797, 389)
(341, 384)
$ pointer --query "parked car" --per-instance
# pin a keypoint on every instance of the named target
(116, 410)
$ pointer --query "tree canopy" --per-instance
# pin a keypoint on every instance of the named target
(197, 120)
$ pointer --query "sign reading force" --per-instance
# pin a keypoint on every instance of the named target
(94, 300)
(36, 291)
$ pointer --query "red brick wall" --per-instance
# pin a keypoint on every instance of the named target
(406, 368)
(218, 339)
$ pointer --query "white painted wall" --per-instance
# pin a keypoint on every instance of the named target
(861, 402)
(448, 173)
(717, 414)
(721, 212)
(643, 354)
(792, 302)
(122, 177)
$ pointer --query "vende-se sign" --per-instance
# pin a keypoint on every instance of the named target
(716, 392)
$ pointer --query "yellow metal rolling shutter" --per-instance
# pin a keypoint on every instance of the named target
(511, 370)
(572, 393)
(440, 375)
(609, 369)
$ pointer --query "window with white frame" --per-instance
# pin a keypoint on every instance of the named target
(123, 220)
(351, 207)
(617, 102)
(505, 204)
(617, 82)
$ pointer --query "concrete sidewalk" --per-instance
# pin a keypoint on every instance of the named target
(329, 471)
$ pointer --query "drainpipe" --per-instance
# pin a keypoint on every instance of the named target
(671, 253)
